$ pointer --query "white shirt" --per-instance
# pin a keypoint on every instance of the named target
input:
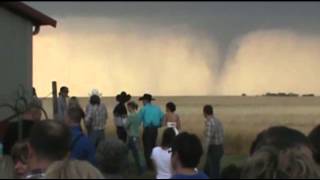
(162, 161)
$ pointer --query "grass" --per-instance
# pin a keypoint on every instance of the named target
(243, 118)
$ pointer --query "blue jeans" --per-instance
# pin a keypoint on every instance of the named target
(134, 147)
(212, 166)
(96, 136)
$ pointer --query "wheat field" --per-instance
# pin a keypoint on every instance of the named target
(242, 117)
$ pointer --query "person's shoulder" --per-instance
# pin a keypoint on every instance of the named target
(133, 116)
(156, 149)
(202, 175)
(179, 176)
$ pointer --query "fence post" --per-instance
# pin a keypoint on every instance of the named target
(54, 99)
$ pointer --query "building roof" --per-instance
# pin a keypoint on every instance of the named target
(35, 16)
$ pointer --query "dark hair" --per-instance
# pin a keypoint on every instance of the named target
(133, 105)
(231, 172)
(171, 106)
(314, 138)
(64, 89)
(75, 114)
(168, 137)
(280, 137)
(112, 150)
(208, 109)
(189, 149)
(95, 100)
(73, 98)
(50, 139)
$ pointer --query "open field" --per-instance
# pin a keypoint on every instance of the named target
(243, 117)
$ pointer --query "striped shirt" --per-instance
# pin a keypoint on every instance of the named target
(62, 108)
(96, 116)
(214, 132)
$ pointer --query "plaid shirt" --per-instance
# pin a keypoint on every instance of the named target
(214, 132)
(96, 116)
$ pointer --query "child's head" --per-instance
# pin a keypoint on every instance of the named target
(171, 107)
(132, 106)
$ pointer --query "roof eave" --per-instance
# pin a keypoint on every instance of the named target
(35, 16)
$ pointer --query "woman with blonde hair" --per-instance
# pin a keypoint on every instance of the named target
(272, 163)
(281, 153)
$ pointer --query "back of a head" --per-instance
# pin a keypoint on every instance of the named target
(168, 137)
(74, 102)
(72, 169)
(271, 163)
(280, 137)
(208, 109)
(171, 107)
(50, 140)
(95, 100)
(189, 149)
(75, 114)
(133, 105)
(64, 89)
(314, 138)
(112, 156)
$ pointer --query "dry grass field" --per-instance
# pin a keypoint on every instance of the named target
(242, 117)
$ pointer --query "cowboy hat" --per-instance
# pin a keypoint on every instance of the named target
(123, 97)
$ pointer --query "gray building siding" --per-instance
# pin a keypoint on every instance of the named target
(15, 57)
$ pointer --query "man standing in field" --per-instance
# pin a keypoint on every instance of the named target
(62, 103)
(214, 134)
(151, 116)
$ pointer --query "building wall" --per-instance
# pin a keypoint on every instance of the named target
(15, 57)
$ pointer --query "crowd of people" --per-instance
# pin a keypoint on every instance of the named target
(74, 144)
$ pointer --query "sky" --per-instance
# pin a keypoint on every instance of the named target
(179, 48)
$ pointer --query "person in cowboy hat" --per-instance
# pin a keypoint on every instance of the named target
(151, 116)
(96, 117)
(120, 114)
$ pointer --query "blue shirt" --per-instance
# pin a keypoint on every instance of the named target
(199, 175)
(82, 148)
(151, 115)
